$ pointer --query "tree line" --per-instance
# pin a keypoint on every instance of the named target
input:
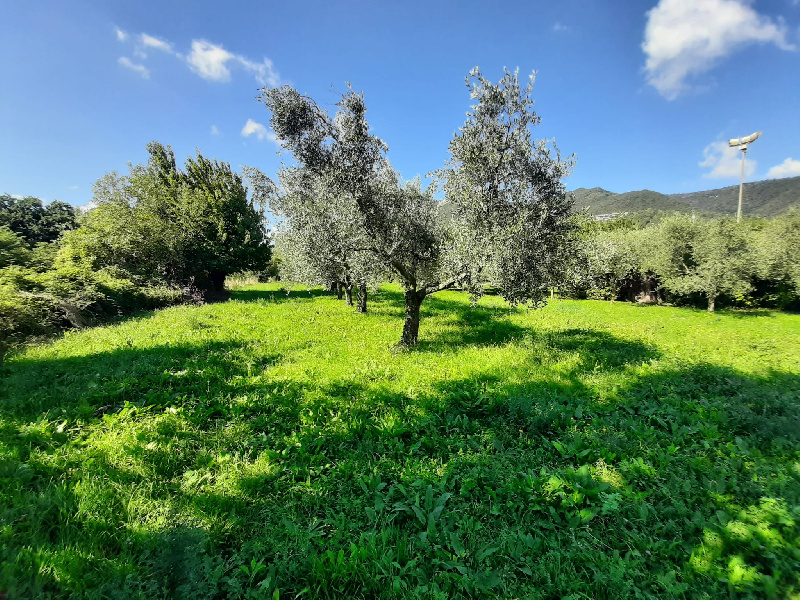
(691, 261)
(347, 218)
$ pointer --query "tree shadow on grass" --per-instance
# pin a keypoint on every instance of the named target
(725, 311)
(89, 386)
(755, 313)
(459, 324)
(699, 457)
(387, 302)
(764, 408)
(678, 447)
(597, 350)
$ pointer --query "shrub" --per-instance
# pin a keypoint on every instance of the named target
(23, 315)
(12, 249)
(70, 295)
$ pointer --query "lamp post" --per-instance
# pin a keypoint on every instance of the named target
(742, 144)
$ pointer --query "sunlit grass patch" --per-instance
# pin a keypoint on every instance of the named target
(283, 442)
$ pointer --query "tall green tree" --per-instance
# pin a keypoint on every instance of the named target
(12, 249)
(511, 216)
(185, 227)
(34, 221)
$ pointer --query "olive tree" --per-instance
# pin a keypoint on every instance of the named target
(511, 215)
(775, 252)
(708, 256)
(320, 235)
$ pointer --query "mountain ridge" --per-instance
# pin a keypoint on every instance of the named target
(767, 198)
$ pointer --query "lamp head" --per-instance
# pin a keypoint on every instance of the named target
(736, 142)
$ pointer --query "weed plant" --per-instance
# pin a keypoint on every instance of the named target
(280, 446)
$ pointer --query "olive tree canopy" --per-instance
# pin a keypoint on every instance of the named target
(320, 235)
(708, 256)
(510, 221)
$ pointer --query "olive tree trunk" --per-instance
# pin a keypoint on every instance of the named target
(711, 302)
(339, 289)
(361, 305)
(348, 294)
(414, 300)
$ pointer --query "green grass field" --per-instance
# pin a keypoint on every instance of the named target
(274, 447)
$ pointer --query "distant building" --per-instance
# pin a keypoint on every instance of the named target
(610, 216)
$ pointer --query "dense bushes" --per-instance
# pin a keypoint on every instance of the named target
(38, 303)
(689, 260)
(155, 237)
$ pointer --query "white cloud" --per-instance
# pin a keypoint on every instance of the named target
(140, 69)
(685, 38)
(264, 71)
(148, 41)
(258, 130)
(788, 168)
(560, 27)
(145, 42)
(210, 61)
(74, 187)
(725, 162)
(214, 130)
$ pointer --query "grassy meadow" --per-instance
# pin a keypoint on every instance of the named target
(280, 446)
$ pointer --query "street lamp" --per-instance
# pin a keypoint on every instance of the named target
(742, 144)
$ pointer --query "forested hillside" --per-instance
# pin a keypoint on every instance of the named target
(763, 198)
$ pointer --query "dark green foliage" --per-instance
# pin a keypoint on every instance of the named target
(150, 234)
(227, 233)
(599, 201)
(34, 222)
(163, 225)
(35, 303)
(12, 249)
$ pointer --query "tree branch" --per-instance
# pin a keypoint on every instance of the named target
(432, 288)
(401, 270)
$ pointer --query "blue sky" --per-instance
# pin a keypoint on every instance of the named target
(644, 93)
